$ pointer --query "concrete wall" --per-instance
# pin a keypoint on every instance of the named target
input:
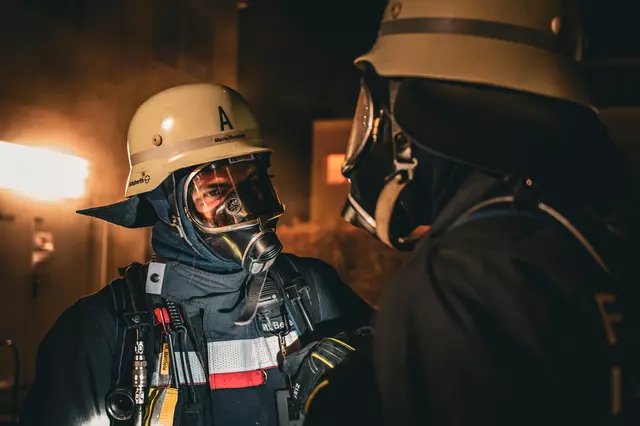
(74, 72)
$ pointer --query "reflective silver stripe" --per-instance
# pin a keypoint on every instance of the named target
(474, 27)
(168, 151)
(199, 376)
(232, 356)
(361, 211)
(245, 355)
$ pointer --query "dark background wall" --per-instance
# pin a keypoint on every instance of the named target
(295, 65)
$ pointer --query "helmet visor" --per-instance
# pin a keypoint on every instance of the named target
(226, 194)
(360, 128)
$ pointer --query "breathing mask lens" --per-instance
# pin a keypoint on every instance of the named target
(224, 196)
(379, 165)
(361, 128)
(234, 209)
(354, 214)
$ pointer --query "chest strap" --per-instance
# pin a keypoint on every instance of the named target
(126, 399)
(298, 298)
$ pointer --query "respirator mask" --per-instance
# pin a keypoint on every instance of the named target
(234, 210)
(379, 164)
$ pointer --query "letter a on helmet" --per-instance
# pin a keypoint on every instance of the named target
(177, 128)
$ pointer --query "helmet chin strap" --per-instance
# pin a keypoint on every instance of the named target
(389, 197)
(403, 172)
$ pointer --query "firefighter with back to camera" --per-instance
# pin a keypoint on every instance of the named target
(475, 145)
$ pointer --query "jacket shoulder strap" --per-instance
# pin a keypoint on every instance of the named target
(133, 312)
(298, 294)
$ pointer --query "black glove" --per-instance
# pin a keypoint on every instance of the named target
(310, 365)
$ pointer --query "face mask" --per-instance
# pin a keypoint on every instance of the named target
(379, 165)
(234, 209)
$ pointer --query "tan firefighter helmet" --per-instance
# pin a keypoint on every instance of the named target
(180, 127)
(524, 45)
(186, 126)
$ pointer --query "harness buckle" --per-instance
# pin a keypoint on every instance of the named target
(136, 320)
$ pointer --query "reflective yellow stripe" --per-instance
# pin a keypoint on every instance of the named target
(323, 359)
(342, 343)
(151, 403)
(313, 394)
(168, 409)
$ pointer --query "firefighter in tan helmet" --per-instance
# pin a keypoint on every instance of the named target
(475, 144)
(197, 336)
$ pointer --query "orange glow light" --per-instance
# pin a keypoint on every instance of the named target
(334, 169)
(41, 173)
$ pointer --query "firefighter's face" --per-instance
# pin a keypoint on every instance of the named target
(234, 209)
(212, 186)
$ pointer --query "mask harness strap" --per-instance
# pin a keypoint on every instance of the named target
(403, 173)
(265, 242)
(255, 284)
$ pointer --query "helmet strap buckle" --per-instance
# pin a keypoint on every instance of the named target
(175, 224)
(404, 165)
(406, 170)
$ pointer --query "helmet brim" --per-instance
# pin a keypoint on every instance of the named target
(147, 175)
(134, 212)
(477, 60)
